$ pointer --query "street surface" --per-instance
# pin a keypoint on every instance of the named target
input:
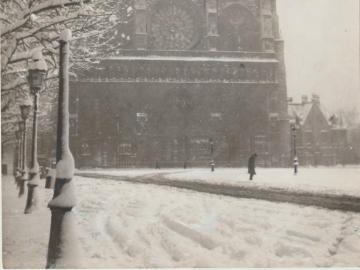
(334, 180)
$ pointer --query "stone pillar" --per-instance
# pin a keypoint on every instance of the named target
(268, 30)
(281, 106)
(140, 25)
(212, 24)
(284, 127)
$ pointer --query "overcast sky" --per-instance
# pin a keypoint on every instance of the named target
(322, 50)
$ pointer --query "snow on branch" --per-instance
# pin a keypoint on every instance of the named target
(47, 5)
(98, 27)
(57, 20)
(15, 84)
(5, 106)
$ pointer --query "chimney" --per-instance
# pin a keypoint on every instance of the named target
(315, 99)
(304, 99)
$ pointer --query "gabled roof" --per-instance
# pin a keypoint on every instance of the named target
(299, 111)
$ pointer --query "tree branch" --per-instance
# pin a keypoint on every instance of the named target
(6, 106)
(13, 85)
(47, 5)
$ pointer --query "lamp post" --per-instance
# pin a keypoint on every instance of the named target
(63, 200)
(212, 162)
(186, 151)
(18, 173)
(37, 74)
(294, 127)
(25, 111)
(16, 163)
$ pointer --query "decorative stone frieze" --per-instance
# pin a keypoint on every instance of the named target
(143, 70)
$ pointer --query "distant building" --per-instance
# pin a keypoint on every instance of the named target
(354, 145)
(196, 71)
(320, 138)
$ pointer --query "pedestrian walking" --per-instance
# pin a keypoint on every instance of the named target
(251, 165)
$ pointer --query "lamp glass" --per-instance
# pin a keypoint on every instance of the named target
(25, 110)
(36, 79)
(21, 126)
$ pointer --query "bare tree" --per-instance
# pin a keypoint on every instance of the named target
(30, 25)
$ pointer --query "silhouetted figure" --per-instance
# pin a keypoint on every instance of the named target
(296, 164)
(251, 165)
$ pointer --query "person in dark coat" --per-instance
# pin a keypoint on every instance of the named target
(251, 165)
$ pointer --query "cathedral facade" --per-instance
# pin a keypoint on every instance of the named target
(202, 80)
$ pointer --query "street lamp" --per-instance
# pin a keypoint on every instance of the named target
(25, 111)
(294, 126)
(212, 162)
(63, 200)
(20, 158)
(17, 155)
(37, 74)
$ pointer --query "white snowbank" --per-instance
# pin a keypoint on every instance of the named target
(37, 60)
(66, 166)
(35, 180)
(66, 198)
(27, 101)
(66, 35)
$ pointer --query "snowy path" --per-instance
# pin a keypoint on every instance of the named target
(24, 237)
(330, 199)
(125, 225)
(333, 180)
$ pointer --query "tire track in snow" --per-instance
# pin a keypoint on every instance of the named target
(123, 239)
(132, 205)
(169, 245)
(198, 237)
(333, 250)
(102, 251)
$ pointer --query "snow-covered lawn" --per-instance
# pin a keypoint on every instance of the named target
(132, 225)
(337, 180)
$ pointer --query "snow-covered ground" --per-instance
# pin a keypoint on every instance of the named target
(133, 225)
(24, 237)
(337, 180)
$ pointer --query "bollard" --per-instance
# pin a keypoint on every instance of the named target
(212, 165)
(48, 181)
